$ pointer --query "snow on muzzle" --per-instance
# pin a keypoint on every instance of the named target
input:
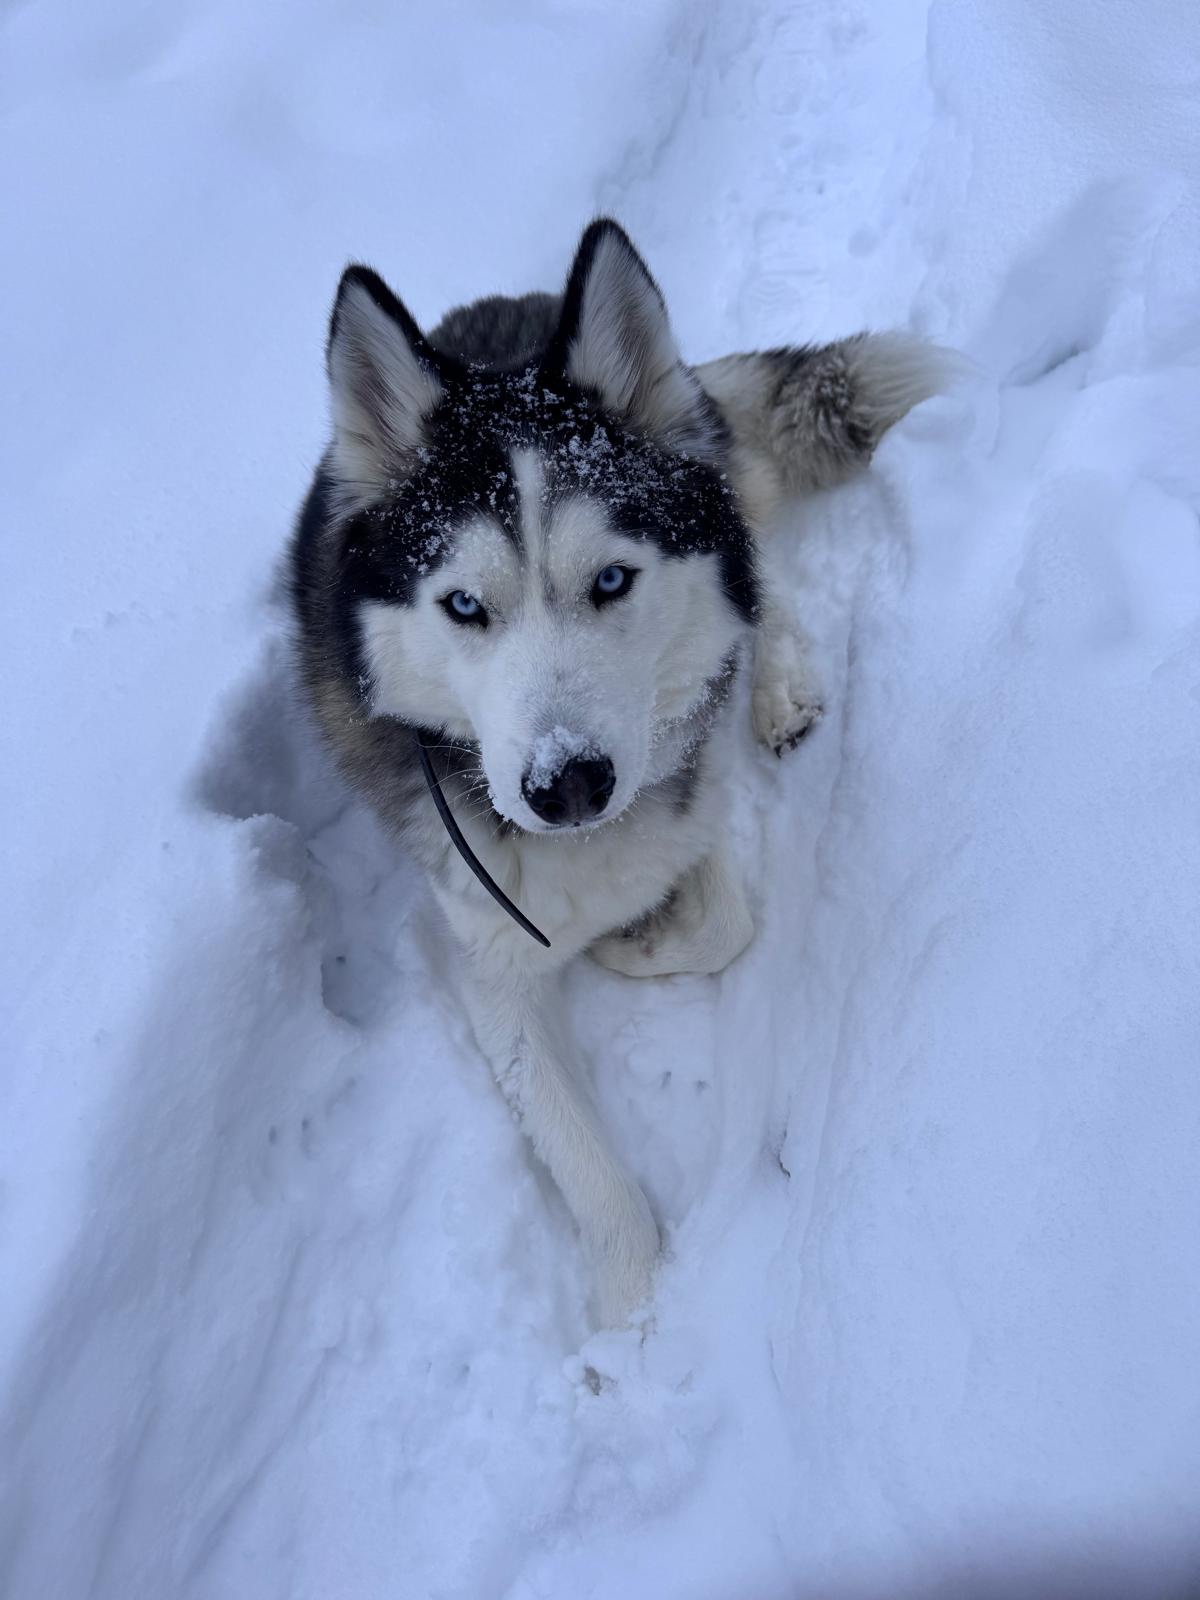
(569, 781)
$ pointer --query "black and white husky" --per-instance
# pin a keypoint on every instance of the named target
(531, 547)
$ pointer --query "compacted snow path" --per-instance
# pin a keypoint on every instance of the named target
(287, 1311)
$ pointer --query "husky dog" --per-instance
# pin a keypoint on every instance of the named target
(531, 546)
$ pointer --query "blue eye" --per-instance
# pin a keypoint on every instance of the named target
(463, 607)
(612, 583)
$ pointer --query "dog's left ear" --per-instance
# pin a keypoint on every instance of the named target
(383, 382)
(614, 340)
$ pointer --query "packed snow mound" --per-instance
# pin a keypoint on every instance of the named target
(289, 1312)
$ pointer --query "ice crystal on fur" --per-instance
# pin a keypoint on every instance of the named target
(552, 752)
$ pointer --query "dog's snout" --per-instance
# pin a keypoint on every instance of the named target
(577, 793)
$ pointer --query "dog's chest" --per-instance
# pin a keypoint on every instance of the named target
(578, 886)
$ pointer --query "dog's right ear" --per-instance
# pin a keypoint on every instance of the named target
(383, 380)
(614, 341)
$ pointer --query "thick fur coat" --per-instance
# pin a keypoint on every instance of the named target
(532, 544)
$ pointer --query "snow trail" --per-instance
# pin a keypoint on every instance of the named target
(288, 1312)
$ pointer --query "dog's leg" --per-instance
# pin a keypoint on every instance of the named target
(515, 1016)
(701, 928)
(784, 699)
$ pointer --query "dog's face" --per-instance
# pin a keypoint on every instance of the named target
(546, 563)
(562, 644)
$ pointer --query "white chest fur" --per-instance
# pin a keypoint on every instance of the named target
(578, 884)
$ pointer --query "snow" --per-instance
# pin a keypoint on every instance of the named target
(288, 1312)
(552, 752)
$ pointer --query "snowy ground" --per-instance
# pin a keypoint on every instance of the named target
(287, 1313)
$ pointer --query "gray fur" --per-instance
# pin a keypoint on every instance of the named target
(499, 332)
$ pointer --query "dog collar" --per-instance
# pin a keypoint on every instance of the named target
(465, 851)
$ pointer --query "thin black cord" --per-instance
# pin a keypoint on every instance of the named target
(465, 851)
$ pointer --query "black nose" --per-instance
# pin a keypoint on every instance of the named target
(577, 793)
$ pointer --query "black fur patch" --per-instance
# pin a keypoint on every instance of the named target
(686, 507)
(500, 332)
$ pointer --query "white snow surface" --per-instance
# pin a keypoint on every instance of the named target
(288, 1313)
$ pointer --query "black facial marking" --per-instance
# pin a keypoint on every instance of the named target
(315, 582)
(463, 470)
(499, 365)
(684, 506)
(680, 787)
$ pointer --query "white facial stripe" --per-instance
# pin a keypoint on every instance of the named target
(530, 480)
(565, 545)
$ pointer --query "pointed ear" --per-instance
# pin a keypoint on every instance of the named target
(614, 339)
(383, 380)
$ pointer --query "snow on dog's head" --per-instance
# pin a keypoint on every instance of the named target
(544, 558)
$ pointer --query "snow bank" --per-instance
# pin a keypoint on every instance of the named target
(287, 1310)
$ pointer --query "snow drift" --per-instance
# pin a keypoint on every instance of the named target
(287, 1310)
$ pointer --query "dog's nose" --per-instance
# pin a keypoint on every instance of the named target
(577, 793)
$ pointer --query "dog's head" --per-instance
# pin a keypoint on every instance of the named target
(547, 561)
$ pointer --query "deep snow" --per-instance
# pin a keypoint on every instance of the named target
(287, 1311)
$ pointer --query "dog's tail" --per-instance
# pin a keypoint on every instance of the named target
(810, 417)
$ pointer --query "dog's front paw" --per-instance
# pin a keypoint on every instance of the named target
(701, 927)
(634, 954)
(783, 709)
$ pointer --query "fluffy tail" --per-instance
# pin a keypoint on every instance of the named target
(810, 417)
